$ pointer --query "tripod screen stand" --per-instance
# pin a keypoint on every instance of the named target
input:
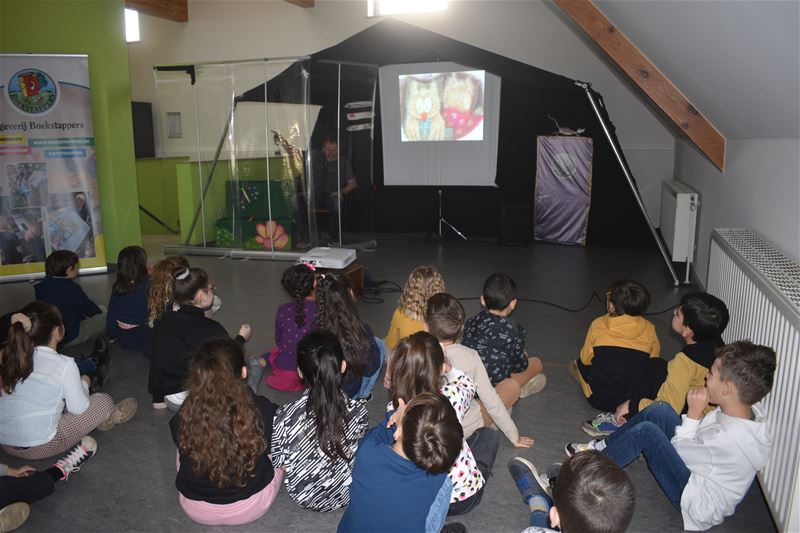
(443, 221)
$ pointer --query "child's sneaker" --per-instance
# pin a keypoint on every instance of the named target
(552, 475)
(529, 484)
(14, 515)
(536, 384)
(82, 452)
(519, 467)
(602, 425)
(122, 412)
(576, 447)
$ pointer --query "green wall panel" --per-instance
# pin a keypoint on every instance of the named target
(158, 193)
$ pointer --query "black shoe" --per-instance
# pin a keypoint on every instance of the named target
(102, 354)
(454, 527)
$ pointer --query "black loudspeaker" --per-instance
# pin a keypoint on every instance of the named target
(513, 224)
(143, 141)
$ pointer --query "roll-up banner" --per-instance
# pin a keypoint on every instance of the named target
(48, 172)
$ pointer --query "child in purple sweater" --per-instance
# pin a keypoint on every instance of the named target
(293, 321)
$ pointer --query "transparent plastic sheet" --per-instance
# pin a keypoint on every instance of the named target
(348, 91)
(255, 178)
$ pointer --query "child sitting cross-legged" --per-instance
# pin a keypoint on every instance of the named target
(127, 307)
(84, 321)
(704, 464)
(222, 431)
(587, 494)
(620, 355)
(700, 318)
(409, 317)
(500, 341)
(419, 366)
(401, 465)
(293, 320)
(315, 437)
(444, 318)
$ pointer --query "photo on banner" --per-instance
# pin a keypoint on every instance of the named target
(563, 189)
(48, 174)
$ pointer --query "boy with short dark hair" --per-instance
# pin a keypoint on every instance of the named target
(444, 318)
(500, 342)
(699, 318)
(400, 467)
(704, 464)
(621, 350)
(590, 494)
(84, 321)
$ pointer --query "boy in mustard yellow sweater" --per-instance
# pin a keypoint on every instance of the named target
(699, 318)
(615, 361)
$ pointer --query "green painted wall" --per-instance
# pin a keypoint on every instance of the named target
(158, 193)
(96, 28)
(216, 200)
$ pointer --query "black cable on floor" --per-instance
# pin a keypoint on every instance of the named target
(393, 287)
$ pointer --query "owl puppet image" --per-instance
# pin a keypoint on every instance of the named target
(463, 109)
(423, 119)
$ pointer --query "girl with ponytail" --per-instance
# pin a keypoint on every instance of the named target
(222, 431)
(315, 438)
(45, 406)
(293, 320)
(336, 311)
(178, 333)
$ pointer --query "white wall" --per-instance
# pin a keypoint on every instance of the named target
(760, 189)
(527, 31)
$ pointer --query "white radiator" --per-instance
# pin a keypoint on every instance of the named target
(679, 204)
(761, 287)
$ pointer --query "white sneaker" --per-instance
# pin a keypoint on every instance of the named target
(576, 447)
(536, 384)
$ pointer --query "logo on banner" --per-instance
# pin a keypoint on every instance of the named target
(32, 91)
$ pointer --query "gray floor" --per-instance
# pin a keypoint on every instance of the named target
(129, 485)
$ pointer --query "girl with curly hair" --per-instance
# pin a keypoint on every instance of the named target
(336, 312)
(293, 320)
(409, 317)
(315, 437)
(159, 299)
(222, 431)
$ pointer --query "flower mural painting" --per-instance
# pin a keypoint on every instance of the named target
(271, 234)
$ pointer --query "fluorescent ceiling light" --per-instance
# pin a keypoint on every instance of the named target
(402, 7)
(131, 26)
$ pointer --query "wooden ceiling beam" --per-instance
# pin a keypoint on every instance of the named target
(648, 78)
(175, 10)
(302, 3)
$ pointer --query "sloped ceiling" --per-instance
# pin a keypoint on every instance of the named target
(738, 62)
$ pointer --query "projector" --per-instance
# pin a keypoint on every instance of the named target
(324, 257)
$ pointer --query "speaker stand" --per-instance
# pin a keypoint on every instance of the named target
(441, 220)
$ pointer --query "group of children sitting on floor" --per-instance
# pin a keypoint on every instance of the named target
(450, 383)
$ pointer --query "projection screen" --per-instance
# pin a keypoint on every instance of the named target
(439, 125)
